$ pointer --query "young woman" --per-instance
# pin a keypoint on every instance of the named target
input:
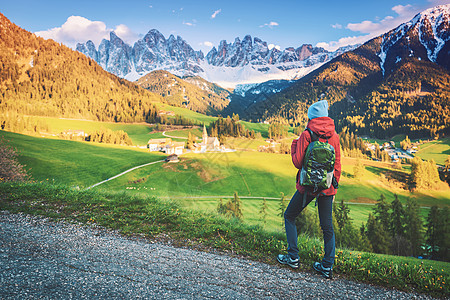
(323, 127)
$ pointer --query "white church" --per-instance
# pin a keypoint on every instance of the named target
(208, 143)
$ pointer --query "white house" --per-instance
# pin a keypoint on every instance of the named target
(158, 144)
(174, 148)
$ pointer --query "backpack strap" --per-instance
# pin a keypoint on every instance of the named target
(315, 136)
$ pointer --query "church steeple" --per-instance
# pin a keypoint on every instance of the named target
(205, 135)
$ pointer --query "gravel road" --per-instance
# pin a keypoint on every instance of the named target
(43, 259)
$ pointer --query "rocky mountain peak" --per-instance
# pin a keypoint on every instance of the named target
(174, 54)
(425, 37)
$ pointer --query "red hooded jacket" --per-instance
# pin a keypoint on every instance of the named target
(323, 126)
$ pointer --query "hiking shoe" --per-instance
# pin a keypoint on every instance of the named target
(326, 272)
(287, 260)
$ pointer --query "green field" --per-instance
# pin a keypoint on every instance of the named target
(139, 133)
(439, 150)
(189, 114)
(142, 132)
(75, 163)
(210, 176)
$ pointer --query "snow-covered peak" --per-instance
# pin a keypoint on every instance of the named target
(246, 60)
(429, 29)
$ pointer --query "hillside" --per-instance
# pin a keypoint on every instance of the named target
(193, 93)
(395, 83)
(41, 77)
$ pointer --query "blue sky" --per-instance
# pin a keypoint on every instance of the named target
(204, 24)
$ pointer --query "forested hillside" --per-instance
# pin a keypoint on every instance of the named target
(41, 77)
(193, 93)
(403, 92)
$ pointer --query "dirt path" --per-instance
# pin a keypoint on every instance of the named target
(123, 173)
(174, 137)
(40, 259)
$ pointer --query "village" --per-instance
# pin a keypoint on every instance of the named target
(173, 148)
(396, 154)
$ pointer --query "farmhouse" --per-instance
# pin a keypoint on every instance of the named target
(172, 158)
(174, 148)
(158, 144)
(71, 132)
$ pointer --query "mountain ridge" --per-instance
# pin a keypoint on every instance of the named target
(193, 93)
(410, 96)
(44, 78)
(246, 61)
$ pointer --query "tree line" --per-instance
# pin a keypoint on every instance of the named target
(391, 228)
(224, 127)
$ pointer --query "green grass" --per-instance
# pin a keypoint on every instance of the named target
(75, 163)
(149, 217)
(187, 113)
(257, 127)
(250, 173)
(139, 133)
(439, 150)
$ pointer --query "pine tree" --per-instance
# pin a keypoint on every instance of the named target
(308, 222)
(397, 228)
(221, 208)
(432, 233)
(444, 236)
(446, 171)
(377, 235)
(237, 206)
(414, 226)
(232, 208)
(397, 218)
(381, 211)
(341, 213)
(424, 175)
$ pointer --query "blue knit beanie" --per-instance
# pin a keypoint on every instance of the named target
(318, 109)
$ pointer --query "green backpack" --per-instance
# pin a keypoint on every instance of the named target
(318, 164)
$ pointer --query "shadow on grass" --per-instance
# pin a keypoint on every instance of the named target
(393, 177)
(348, 175)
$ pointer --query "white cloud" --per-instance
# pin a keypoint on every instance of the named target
(371, 29)
(78, 29)
(271, 46)
(336, 26)
(400, 9)
(215, 13)
(345, 41)
(270, 24)
(188, 23)
(126, 34)
(207, 44)
(404, 14)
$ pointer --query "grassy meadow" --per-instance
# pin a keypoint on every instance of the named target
(200, 180)
(180, 199)
(438, 150)
(75, 163)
